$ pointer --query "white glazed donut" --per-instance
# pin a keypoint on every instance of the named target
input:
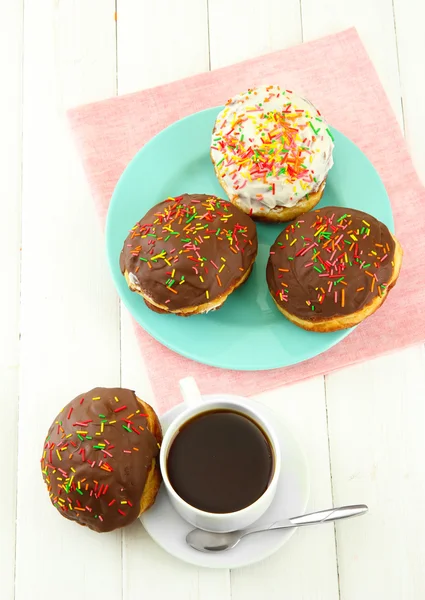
(272, 151)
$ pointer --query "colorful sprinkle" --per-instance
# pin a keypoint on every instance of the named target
(73, 442)
(199, 218)
(286, 154)
(334, 249)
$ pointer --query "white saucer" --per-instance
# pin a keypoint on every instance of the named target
(169, 530)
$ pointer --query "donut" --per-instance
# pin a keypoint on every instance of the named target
(272, 151)
(332, 268)
(99, 459)
(189, 253)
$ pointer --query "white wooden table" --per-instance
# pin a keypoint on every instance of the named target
(62, 329)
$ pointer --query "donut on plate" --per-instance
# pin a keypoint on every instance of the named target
(189, 253)
(99, 458)
(332, 268)
(272, 151)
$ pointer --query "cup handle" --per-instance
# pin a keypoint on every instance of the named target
(190, 392)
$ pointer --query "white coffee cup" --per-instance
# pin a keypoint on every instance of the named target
(196, 404)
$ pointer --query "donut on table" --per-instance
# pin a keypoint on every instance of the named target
(332, 268)
(272, 151)
(189, 253)
(99, 458)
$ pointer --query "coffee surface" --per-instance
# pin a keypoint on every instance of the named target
(220, 462)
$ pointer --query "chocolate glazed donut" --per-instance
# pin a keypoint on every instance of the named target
(189, 253)
(332, 268)
(99, 458)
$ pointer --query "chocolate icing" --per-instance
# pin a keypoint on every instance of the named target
(189, 250)
(330, 262)
(106, 452)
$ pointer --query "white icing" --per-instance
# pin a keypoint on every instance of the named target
(134, 280)
(301, 145)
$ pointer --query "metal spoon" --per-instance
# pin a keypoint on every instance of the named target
(206, 541)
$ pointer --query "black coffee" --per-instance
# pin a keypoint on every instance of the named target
(220, 462)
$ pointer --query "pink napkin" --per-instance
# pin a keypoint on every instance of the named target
(337, 75)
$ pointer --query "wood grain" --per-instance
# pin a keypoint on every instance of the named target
(311, 550)
(302, 406)
(362, 431)
(159, 42)
(376, 425)
(242, 29)
(374, 22)
(11, 55)
(409, 18)
(70, 317)
(169, 48)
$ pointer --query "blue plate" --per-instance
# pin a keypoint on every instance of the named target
(248, 332)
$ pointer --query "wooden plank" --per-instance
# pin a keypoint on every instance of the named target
(157, 45)
(374, 22)
(10, 239)
(70, 316)
(141, 555)
(373, 437)
(259, 29)
(159, 42)
(376, 425)
(303, 409)
(409, 18)
(85, 48)
(242, 29)
(166, 576)
(134, 367)
(312, 550)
